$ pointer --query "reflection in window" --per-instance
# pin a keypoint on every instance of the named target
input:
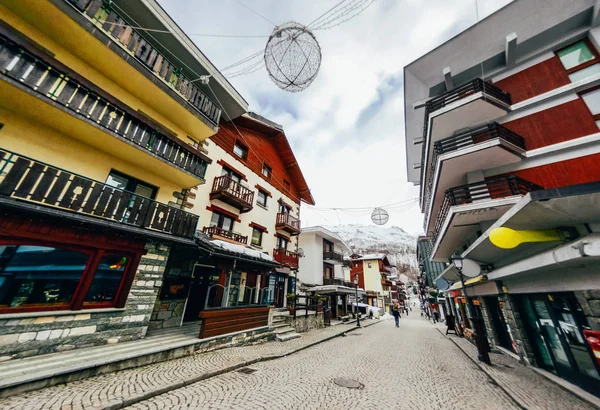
(575, 55)
(107, 279)
(39, 275)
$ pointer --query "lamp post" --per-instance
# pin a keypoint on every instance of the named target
(356, 300)
(478, 334)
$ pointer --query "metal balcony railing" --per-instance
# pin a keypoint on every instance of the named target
(228, 190)
(333, 256)
(286, 257)
(61, 88)
(25, 179)
(234, 236)
(492, 188)
(101, 13)
(467, 139)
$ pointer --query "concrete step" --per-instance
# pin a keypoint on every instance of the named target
(287, 336)
(278, 325)
(283, 330)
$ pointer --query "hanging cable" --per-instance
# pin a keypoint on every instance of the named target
(254, 12)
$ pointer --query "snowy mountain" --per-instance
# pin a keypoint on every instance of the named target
(400, 246)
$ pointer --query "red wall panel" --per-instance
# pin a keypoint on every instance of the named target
(559, 174)
(557, 124)
(536, 80)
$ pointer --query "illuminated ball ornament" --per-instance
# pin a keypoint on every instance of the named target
(292, 57)
(380, 216)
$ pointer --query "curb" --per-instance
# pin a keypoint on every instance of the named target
(496, 382)
(119, 404)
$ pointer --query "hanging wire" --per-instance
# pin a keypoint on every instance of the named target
(254, 12)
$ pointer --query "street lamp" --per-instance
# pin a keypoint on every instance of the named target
(478, 334)
(356, 300)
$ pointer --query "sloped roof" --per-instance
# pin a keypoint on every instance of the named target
(326, 232)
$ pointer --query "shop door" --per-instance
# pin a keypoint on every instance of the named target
(205, 285)
(498, 322)
(279, 291)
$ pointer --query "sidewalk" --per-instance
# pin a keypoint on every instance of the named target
(121, 389)
(529, 389)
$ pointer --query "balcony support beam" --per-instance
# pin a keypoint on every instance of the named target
(511, 49)
(448, 78)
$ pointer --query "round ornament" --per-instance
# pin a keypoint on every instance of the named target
(380, 216)
(292, 57)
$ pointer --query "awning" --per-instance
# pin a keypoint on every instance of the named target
(545, 209)
(336, 289)
(283, 269)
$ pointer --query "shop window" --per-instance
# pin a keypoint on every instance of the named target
(261, 198)
(54, 277)
(257, 234)
(578, 56)
(127, 183)
(240, 150)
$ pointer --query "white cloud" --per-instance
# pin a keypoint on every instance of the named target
(347, 164)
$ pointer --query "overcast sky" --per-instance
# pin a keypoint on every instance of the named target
(347, 128)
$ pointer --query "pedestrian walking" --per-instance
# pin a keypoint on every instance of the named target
(396, 313)
(436, 316)
(406, 310)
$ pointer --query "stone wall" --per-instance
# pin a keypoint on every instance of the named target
(590, 304)
(517, 329)
(167, 313)
(490, 330)
(304, 324)
(23, 335)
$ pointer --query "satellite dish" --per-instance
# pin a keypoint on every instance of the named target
(442, 284)
(471, 269)
(301, 252)
(380, 216)
(403, 278)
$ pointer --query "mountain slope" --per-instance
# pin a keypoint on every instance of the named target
(400, 246)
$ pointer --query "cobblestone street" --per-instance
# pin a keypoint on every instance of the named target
(413, 367)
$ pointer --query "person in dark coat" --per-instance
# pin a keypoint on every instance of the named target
(396, 313)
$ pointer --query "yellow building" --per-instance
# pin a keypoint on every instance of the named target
(101, 127)
(373, 272)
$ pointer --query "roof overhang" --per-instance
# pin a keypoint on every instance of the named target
(570, 206)
(335, 289)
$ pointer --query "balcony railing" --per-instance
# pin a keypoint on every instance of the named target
(26, 179)
(215, 232)
(104, 17)
(493, 188)
(333, 256)
(288, 223)
(59, 87)
(227, 190)
(333, 281)
(286, 257)
(479, 135)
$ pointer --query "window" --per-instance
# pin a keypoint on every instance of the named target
(222, 221)
(266, 171)
(327, 272)
(231, 174)
(577, 56)
(257, 236)
(283, 208)
(127, 183)
(592, 100)
(282, 242)
(34, 277)
(240, 151)
(286, 184)
(261, 198)
(369, 265)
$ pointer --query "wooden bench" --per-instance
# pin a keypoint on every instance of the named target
(217, 322)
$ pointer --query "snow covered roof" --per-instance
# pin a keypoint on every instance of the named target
(371, 257)
(231, 250)
(232, 247)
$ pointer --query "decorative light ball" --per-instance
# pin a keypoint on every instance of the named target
(292, 57)
(380, 216)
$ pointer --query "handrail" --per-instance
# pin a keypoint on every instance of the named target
(111, 22)
(284, 218)
(284, 256)
(332, 255)
(59, 87)
(226, 184)
(491, 188)
(234, 236)
(26, 179)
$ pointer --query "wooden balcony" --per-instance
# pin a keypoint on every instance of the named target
(227, 190)
(25, 179)
(286, 258)
(288, 223)
(76, 95)
(333, 257)
(135, 42)
(229, 236)
(490, 189)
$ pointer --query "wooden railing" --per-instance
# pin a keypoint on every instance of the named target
(479, 135)
(333, 256)
(234, 236)
(26, 179)
(226, 185)
(492, 188)
(61, 88)
(135, 43)
(286, 257)
(284, 218)
(309, 303)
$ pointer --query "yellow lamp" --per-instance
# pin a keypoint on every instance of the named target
(507, 238)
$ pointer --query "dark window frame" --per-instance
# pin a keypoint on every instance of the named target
(265, 205)
(132, 183)
(269, 170)
(262, 232)
(222, 217)
(581, 66)
(280, 239)
(596, 117)
(95, 255)
(243, 148)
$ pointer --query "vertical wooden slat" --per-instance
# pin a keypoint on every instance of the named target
(42, 188)
(11, 180)
(85, 185)
(112, 204)
(31, 178)
(104, 198)
(91, 201)
(57, 188)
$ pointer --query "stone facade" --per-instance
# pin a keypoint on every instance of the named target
(26, 335)
(167, 313)
(517, 329)
(590, 304)
(304, 324)
(490, 330)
